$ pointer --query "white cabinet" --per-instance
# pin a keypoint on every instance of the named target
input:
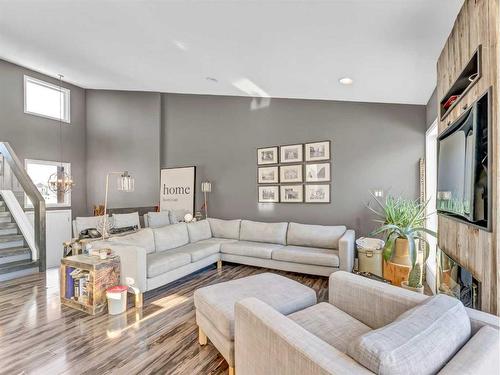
(58, 227)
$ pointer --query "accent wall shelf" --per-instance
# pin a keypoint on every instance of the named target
(468, 78)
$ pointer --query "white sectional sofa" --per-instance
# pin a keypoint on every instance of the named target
(157, 256)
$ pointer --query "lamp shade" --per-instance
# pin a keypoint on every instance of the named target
(126, 182)
(206, 187)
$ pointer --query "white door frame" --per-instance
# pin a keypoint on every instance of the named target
(430, 195)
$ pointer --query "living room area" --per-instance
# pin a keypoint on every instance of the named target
(249, 187)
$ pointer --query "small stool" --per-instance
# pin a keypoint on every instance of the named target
(215, 306)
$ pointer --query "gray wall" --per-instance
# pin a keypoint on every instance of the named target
(123, 133)
(374, 146)
(431, 111)
(34, 137)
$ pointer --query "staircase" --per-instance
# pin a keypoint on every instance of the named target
(22, 243)
(15, 255)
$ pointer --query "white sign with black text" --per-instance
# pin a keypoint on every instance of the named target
(177, 189)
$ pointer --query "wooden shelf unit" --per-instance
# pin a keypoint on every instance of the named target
(477, 24)
(463, 83)
(103, 274)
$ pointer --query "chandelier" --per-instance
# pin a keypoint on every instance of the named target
(60, 182)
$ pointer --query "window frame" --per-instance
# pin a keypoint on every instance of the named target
(67, 169)
(66, 118)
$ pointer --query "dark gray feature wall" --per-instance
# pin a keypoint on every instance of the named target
(34, 137)
(431, 111)
(123, 133)
(374, 146)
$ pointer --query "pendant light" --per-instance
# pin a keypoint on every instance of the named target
(60, 182)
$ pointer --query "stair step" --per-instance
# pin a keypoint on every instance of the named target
(11, 238)
(8, 228)
(14, 254)
(8, 225)
(5, 217)
(17, 269)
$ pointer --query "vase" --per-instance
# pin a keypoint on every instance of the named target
(405, 285)
(401, 253)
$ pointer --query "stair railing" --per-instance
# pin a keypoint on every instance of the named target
(17, 168)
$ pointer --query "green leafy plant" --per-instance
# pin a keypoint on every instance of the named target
(402, 218)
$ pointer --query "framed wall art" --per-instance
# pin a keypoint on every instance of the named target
(268, 155)
(177, 189)
(317, 193)
(291, 173)
(291, 153)
(291, 193)
(318, 172)
(269, 194)
(267, 175)
(317, 151)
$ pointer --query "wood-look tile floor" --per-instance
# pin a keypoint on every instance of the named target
(39, 336)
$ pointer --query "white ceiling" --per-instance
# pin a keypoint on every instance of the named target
(293, 49)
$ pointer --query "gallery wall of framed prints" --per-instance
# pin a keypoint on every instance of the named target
(296, 173)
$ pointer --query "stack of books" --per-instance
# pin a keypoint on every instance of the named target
(77, 281)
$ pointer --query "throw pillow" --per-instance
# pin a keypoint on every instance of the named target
(126, 220)
(158, 219)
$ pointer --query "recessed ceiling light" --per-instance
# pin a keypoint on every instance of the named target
(212, 79)
(346, 81)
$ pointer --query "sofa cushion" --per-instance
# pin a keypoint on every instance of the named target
(199, 230)
(126, 220)
(322, 236)
(307, 255)
(330, 324)
(408, 345)
(229, 229)
(171, 236)
(478, 356)
(159, 263)
(142, 238)
(263, 232)
(250, 249)
(158, 219)
(199, 250)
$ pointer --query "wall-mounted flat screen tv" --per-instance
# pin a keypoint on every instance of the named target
(464, 181)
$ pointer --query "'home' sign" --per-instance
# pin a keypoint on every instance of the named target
(177, 189)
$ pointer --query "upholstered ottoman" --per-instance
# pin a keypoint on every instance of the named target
(215, 306)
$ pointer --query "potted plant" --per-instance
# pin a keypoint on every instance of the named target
(402, 224)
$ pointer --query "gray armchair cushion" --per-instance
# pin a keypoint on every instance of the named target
(142, 238)
(250, 249)
(158, 219)
(159, 263)
(307, 255)
(229, 229)
(478, 356)
(263, 232)
(330, 324)
(171, 236)
(199, 230)
(323, 236)
(420, 341)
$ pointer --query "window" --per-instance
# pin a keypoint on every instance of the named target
(40, 171)
(46, 100)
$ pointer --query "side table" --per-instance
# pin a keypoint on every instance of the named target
(84, 280)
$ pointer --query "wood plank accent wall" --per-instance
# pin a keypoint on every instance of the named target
(478, 250)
